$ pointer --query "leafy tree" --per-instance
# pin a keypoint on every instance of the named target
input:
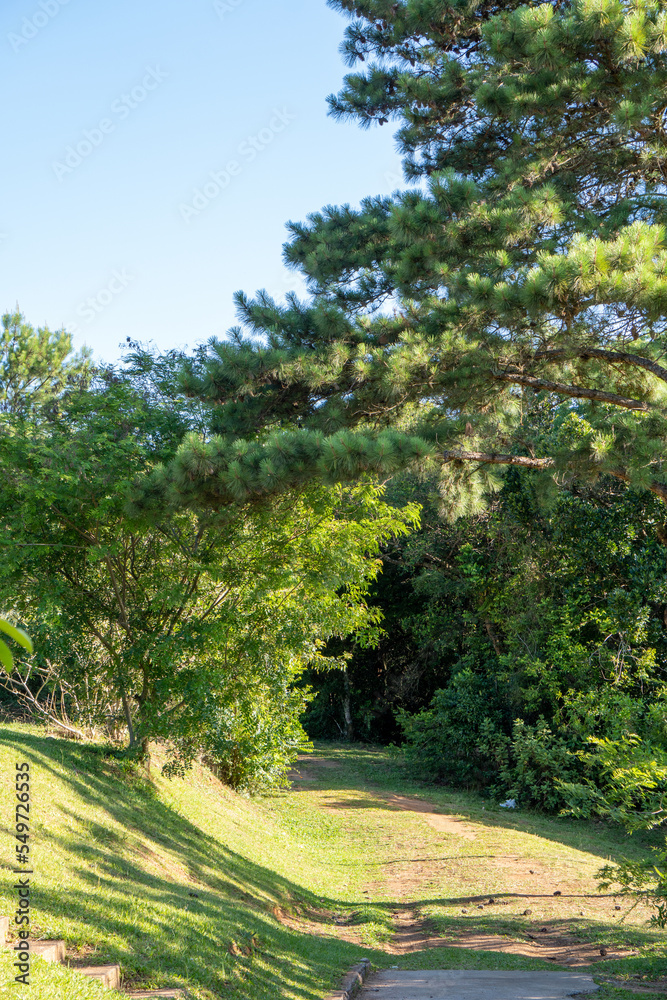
(529, 628)
(199, 621)
(526, 269)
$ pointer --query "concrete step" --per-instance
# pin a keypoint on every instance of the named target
(50, 951)
(108, 975)
(155, 994)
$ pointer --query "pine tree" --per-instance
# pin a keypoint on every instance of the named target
(507, 308)
(36, 366)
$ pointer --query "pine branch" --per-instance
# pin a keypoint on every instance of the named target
(659, 489)
(612, 356)
(497, 459)
(575, 391)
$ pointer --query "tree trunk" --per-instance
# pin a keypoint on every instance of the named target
(145, 756)
(347, 708)
(492, 636)
(127, 712)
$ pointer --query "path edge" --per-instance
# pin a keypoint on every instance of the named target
(353, 981)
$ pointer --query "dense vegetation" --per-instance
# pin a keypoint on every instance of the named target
(192, 539)
(513, 636)
(190, 627)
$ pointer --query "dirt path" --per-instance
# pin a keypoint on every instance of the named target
(444, 881)
(438, 821)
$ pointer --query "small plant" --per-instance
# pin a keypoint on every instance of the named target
(643, 881)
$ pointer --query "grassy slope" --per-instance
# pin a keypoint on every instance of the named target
(115, 865)
(116, 862)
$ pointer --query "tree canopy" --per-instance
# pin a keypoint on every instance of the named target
(508, 308)
(36, 366)
(190, 627)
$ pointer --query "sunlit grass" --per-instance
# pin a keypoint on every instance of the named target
(176, 883)
(185, 883)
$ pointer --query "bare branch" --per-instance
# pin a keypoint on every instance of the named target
(18, 685)
(496, 459)
(659, 489)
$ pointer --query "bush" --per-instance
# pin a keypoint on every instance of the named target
(460, 740)
(443, 742)
(530, 763)
(253, 741)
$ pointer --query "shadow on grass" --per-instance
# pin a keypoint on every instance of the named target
(521, 927)
(151, 924)
(162, 934)
(377, 771)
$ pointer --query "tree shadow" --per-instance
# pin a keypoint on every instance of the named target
(171, 927)
(171, 903)
(369, 769)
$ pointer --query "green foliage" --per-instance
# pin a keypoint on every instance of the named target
(525, 272)
(261, 737)
(193, 624)
(36, 367)
(447, 741)
(512, 637)
(643, 881)
(630, 789)
(531, 764)
(631, 786)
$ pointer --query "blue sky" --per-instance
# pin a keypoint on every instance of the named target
(155, 149)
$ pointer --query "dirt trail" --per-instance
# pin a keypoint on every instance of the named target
(410, 881)
(412, 934)
(439, 821)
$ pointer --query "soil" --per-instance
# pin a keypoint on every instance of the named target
(529, 882)
(412, 934)
(439, 821)
(301, 775)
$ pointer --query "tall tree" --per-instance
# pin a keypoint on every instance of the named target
(36, 366)
(525, 272)
(196, 622)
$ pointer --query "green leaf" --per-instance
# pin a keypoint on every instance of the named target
(6, 658)
(17, 634)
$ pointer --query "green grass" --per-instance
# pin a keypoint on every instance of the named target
(180, 881)
(51, 981)
(115, 863)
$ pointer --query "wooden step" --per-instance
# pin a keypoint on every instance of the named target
(50, 951)
(4, 929)
(108, 975)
